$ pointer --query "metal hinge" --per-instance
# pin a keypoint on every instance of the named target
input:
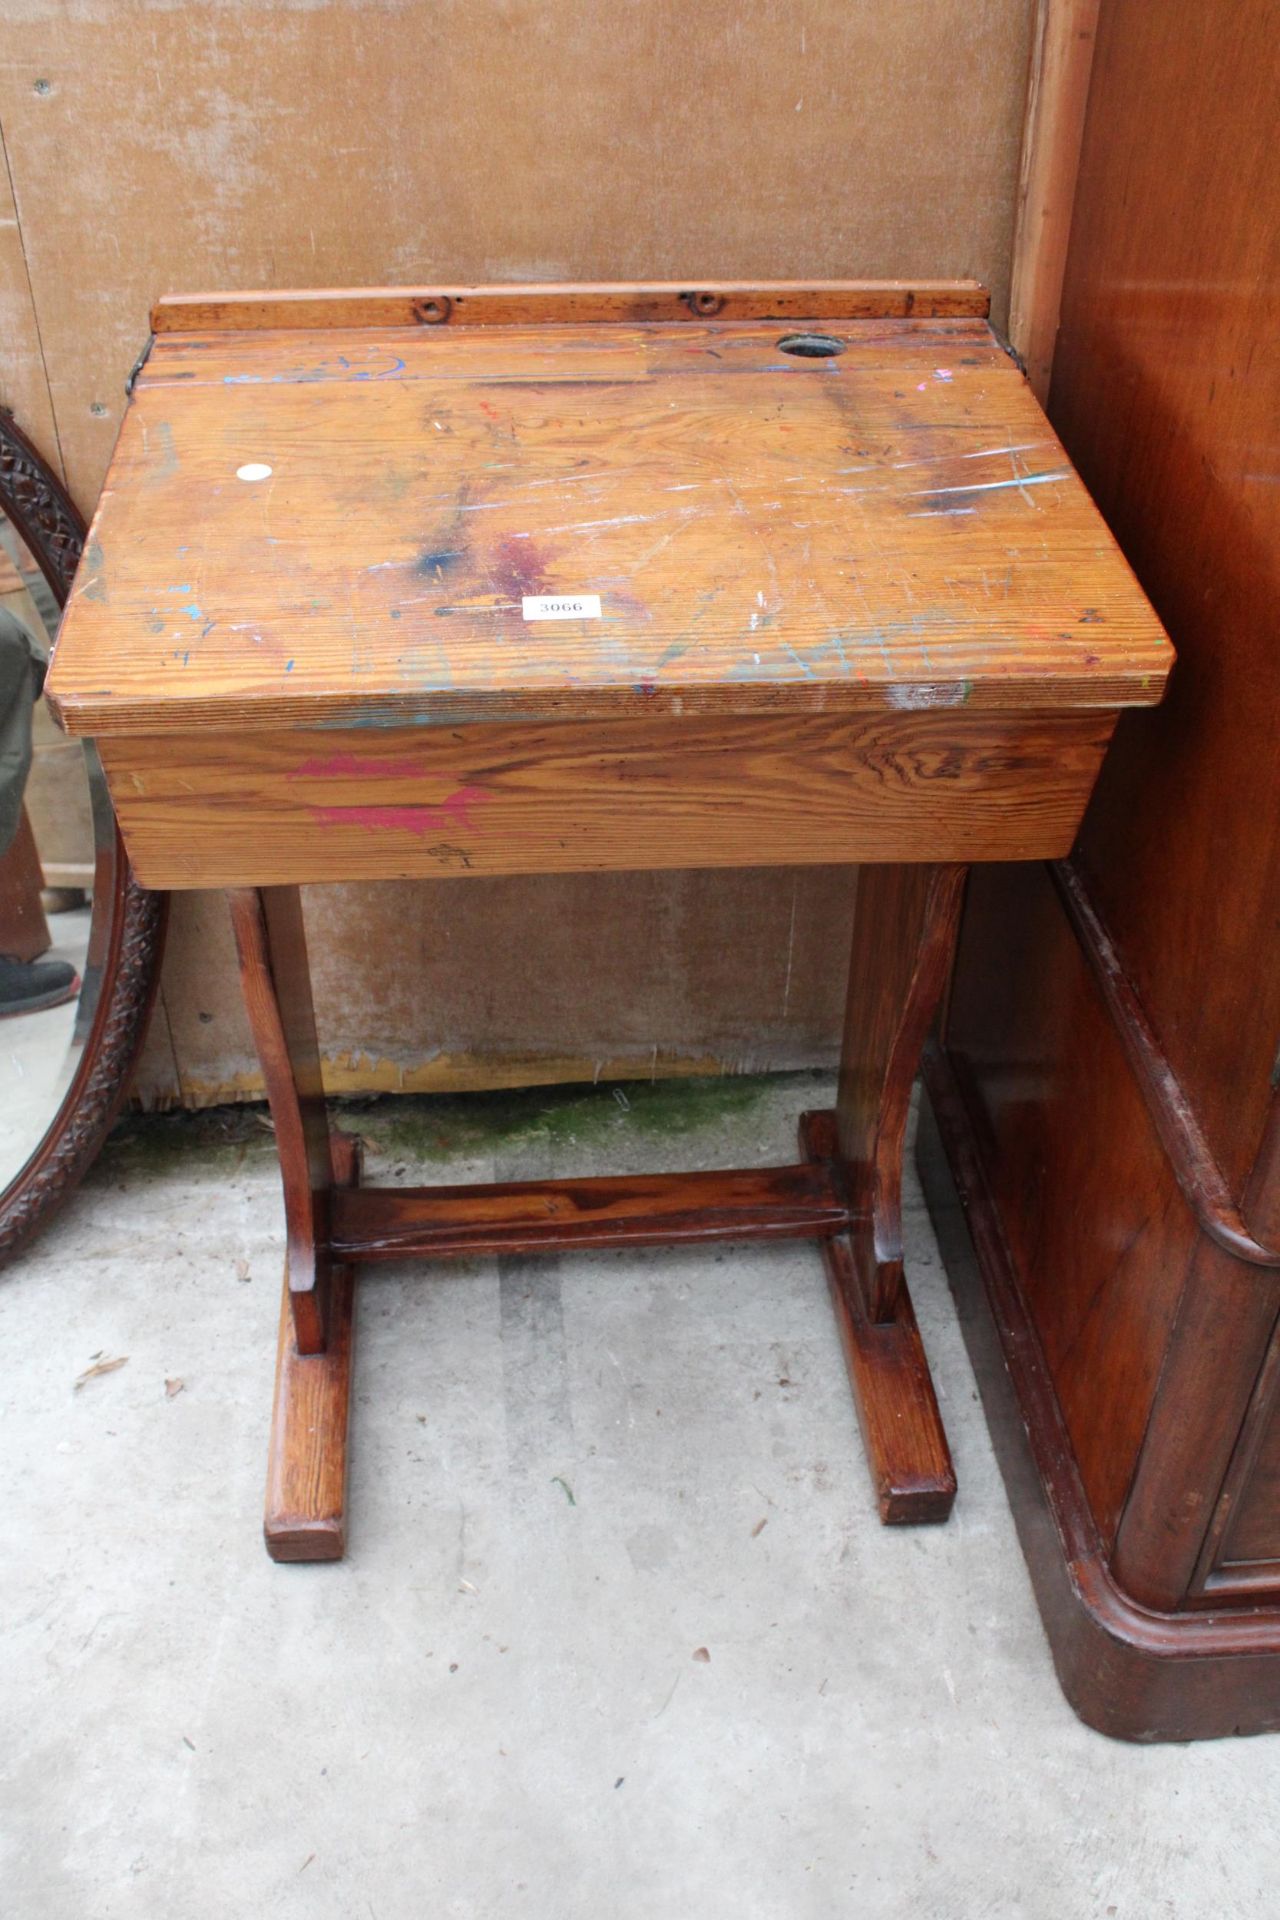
(1006, 345)
(141, 361)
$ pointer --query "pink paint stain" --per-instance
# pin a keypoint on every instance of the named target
(518, 567)
(454, 812)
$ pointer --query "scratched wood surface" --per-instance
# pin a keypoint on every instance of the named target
(265, 809)
(340, 527)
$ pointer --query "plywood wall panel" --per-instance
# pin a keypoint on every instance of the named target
(24, 390)
(525, 981)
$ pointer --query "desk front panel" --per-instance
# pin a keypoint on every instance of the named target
(266, 809)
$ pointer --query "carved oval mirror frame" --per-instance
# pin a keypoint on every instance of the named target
(127, 926)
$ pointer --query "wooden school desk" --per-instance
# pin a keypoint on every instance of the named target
(432, 585)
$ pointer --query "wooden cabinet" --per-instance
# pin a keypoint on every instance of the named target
(1106, 1080)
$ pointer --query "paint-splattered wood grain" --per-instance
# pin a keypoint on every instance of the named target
(267, 809)
(340, 527)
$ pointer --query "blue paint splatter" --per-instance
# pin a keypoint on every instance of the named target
(388, 373)
(288, 666)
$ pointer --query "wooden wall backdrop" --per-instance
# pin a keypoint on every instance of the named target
(269, 143)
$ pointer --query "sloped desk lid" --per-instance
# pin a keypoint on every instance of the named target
(332, 509)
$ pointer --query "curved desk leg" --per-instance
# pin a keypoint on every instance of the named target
(904, 934)
(306, 1477)
(903, 937)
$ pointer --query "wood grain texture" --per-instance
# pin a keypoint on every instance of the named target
(544, 1216)
(305, 1516)
(1057, 96)
(329, 1226)
(904, 930)
(506, 305)
(1241, 1556)
(1158, 1337)
(306, 1487)
(897, 1409)
(1261, 1203)
(276, 983)
(1166, 390)
(1181, 1135)
(273, 809)
(1152, 1336)
(1182, 1490)
(1132, 1671)
(892, 527)
(1097, 1230)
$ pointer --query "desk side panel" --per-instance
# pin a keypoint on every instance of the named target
(270, 809)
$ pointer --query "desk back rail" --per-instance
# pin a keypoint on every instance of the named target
(573, 303)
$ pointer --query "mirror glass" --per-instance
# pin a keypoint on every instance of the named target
(57, 849)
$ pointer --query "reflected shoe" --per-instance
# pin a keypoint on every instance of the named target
(29, 986)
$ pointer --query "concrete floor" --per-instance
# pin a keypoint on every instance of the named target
(618, 1633)
(35, 1058)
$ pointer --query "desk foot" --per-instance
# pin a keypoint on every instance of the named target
(848, 1194)
(902, 1431)
(306, 1505)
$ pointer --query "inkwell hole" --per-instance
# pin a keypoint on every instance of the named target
(811, 346)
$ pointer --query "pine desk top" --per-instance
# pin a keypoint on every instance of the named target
(342, 509)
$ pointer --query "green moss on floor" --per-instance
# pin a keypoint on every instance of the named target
(222, 1137)
(441, 1127)
(437, 1128)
